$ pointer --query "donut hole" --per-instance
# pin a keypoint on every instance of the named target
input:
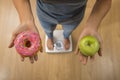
(27, 43)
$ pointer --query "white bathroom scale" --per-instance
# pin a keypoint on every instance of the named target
(58, 43)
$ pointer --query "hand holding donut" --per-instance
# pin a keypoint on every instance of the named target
(27, 41)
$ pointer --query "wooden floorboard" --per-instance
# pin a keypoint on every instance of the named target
(61, 66)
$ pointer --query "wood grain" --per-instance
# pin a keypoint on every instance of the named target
(60, 66)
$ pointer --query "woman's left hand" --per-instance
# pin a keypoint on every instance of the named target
(93, 32)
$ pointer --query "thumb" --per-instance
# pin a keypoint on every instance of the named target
(101, 44)
(77, 47)
(12, 41)
(15, 33)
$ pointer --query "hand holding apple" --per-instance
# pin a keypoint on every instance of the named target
(88, 52)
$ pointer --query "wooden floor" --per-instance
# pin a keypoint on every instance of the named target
(60, 66)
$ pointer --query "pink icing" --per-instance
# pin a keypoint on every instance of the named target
(34, 40)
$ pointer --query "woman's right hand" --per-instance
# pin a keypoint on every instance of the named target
(30, 25)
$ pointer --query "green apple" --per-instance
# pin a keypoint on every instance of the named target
(89, 45)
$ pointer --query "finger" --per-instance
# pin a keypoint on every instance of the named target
(100, 49)
(85, 59)
(41, 49)
(92, 58)
(101, 45)
(15, 33)
(22, 58)
(12, 41)
(100, 52)
(35, 57)
(81, 57)
(76, 50)
(31, 59)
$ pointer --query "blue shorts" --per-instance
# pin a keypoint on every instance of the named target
(68, 15)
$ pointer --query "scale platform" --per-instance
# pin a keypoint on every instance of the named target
(58, 43)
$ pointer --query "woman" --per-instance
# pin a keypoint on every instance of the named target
(68, 13)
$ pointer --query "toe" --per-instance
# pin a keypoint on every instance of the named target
(66, 44)
(50, 44)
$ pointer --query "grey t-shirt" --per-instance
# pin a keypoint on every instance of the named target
(61, 12)
(63, 1)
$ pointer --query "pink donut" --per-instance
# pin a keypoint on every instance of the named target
(27, 43)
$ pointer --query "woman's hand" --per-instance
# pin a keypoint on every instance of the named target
(24, 27)
(93, 32)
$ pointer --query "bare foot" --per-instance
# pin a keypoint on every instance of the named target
(66, 43)
(50, 44)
